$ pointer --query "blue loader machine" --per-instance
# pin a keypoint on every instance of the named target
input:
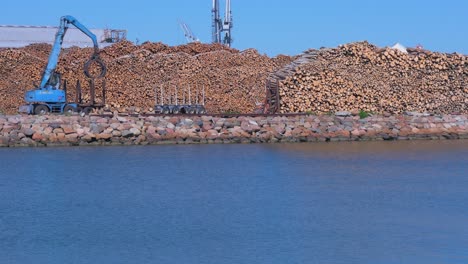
(48, 97)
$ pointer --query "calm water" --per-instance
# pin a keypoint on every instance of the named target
(378, 202)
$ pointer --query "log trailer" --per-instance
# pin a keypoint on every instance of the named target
(167, 101)
(48, 97)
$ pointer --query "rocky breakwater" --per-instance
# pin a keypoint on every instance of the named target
(56, 130)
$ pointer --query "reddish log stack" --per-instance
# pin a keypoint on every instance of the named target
(233, 81)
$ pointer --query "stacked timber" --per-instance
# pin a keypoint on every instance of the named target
(361, 76)
(18, 71)
(356, 76)
(233, 81)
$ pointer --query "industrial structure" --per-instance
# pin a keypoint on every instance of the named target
(21, 36)
(48, 97)
(222, 29)
(189, 36)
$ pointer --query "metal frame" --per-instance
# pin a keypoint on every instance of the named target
(178, 105)
(219, 26)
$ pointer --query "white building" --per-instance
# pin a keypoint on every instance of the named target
(20, 36)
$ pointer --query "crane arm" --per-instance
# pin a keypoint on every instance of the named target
(54, 55)
(190, 37)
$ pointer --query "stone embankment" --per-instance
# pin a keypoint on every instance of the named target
(57, 130)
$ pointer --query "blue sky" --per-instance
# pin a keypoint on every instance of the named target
(272, 27)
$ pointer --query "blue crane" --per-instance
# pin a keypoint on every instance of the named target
(48, 97)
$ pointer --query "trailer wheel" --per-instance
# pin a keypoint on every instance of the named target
(87, 110)
(41, 110)
(192, 110)
(202, 110)
(158, 109)
(175, 110)
(166, 110)
(69, 109)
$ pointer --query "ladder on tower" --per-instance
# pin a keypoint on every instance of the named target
(272, 100)
(271, 105)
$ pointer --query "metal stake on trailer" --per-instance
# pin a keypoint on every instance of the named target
(162, 95)
(92, 92)
(189, 96)
(78, 97)
(169, 98)
(203, 95)
(155, 95)
(168, 101)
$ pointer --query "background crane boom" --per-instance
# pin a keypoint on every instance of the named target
(189, 36)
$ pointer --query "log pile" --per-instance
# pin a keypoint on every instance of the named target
(233, 81)
(361, 76)
(356, 76)
(18, 71)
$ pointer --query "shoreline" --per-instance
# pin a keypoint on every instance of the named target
(59, 130)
